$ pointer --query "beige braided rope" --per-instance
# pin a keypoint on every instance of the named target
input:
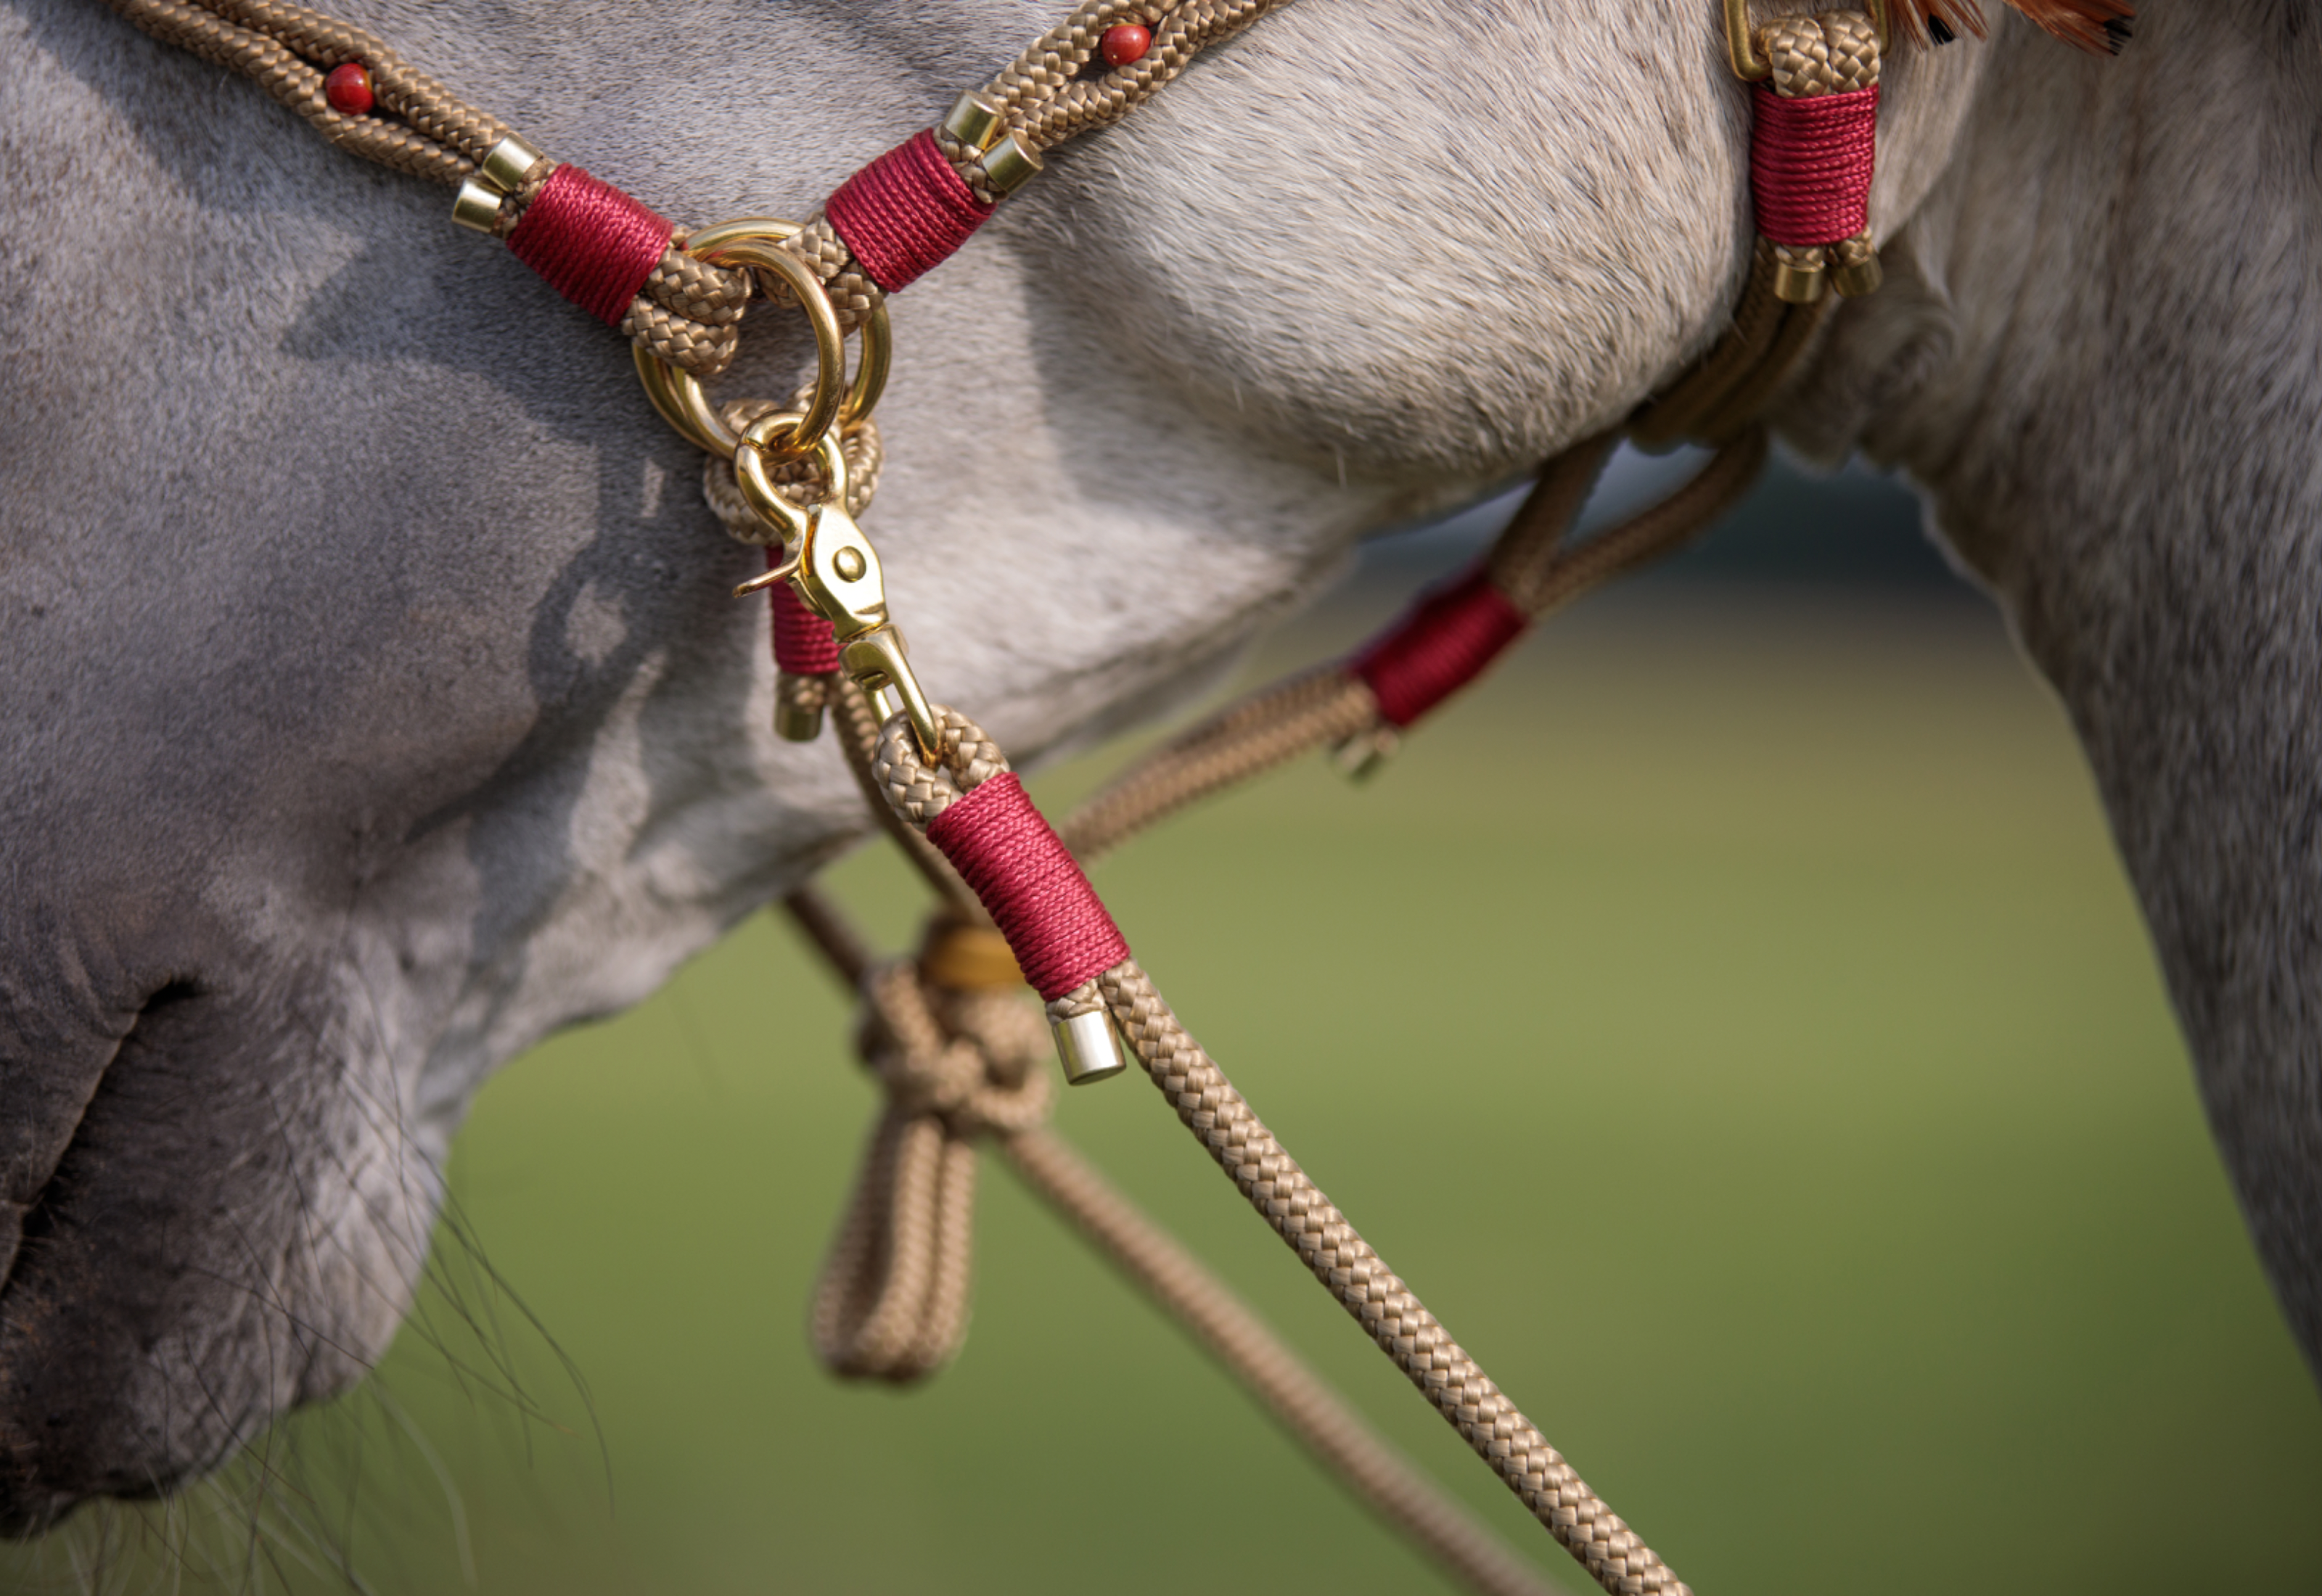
(430, 109)
(1660, 529)
(1266, 1174)
(1830, 52)
(438, 143)
(1284, 722)
(892, 1301)
(1045, 101)
(1273, 1184)
(861, 1328)
(1318, 1417)
(686, 313)
(1714, 401)
(857, 725)
(1325, 706)
(851, 294)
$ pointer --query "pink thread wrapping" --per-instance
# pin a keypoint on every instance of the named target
(1054, 921)
(804, 642)
(1810, 165)
(1443, 643)
(594, 244)
(904, 213)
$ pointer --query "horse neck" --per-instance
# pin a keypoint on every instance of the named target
(2107, 370)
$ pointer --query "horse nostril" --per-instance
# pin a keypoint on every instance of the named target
(83, 1300)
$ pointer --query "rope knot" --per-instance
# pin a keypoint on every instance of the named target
(956, 1063)
(968, 1057)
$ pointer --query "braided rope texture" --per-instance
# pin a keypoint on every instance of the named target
(1530, 566)
(1813, 141)
(801, 480)
(852, 294)
(1273, 1374)
(858, 725)
(688, 312)
(1273, 1184)
(287, 50)
(1244, 739)
(1831, 52)
(892, 1301)
(684, 311)
(1046, 100)
(920, 792)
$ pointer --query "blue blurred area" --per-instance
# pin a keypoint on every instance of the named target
(1856, 528)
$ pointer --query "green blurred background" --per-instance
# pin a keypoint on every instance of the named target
(1730, 1018)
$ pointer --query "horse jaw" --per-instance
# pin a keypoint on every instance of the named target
(374, 699)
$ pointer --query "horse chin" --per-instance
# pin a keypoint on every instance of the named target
(234, 1229)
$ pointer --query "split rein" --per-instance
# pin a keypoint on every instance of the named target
(959, 1055)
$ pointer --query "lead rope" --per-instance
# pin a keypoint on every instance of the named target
(972, 807)
(890, 1303)
(923, 1251)
(958, 1060)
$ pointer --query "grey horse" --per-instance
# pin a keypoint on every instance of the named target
(374, 707)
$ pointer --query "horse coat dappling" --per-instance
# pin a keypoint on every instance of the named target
(374, 707)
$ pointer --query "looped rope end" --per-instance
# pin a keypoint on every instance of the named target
(956, 1065)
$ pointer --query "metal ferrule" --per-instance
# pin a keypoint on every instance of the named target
(1008, 165)
(1366, 753)
(506, 163)
(477, 207)
(797, 717)
(1798, 285)
(1859, 279)
(1086, 1048)
(971, 121)
(798, 723)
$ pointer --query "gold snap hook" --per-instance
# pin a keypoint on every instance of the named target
(777, 435)
(835, 570)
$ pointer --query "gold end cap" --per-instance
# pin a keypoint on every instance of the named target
(1008, 165)
(506, 163)
(1086, 1048)
(1798, 285)
(796, 723)
(1859, 279)
(971, 121)
(477, 207)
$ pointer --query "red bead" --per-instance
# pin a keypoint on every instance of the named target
(1125, 44)
(348, 88)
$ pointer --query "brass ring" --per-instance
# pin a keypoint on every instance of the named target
(878, 341)
(749, 243)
